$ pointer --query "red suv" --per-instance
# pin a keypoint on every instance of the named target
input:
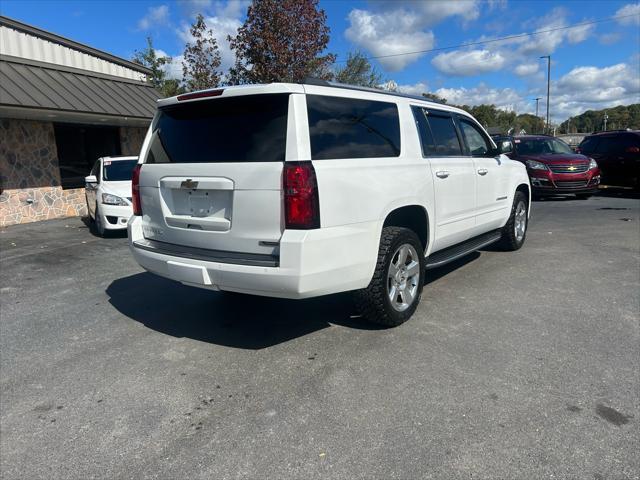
(553, 168)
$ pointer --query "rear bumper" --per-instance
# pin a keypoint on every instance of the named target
(310, 263)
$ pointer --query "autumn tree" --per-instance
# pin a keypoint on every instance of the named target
(281, 41)
(358, 71)
(149, 58)
(201, 58)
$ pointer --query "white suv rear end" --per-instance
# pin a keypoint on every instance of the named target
(284, 190)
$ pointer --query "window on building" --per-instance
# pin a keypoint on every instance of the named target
(351, 128)
(78, 148)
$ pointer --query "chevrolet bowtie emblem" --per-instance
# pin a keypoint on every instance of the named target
(570, 169)
(189, 184)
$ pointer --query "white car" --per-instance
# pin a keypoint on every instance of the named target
(301, 190)
(108, 193)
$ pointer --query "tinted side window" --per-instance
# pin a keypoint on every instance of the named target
(588, 145)
(350, 128)
(478, 145)
(445, 136)
(609, 145)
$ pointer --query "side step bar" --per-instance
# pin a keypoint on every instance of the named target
(450, 254)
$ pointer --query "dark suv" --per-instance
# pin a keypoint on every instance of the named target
(617, 154)
(553, 168)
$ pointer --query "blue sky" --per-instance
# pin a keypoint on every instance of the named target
(594, 66)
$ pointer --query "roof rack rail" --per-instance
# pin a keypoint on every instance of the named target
(326, 83)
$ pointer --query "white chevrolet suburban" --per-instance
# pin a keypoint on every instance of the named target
(300, 190)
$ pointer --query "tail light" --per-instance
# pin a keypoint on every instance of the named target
(135, 190)
(632, 150)
(301, 205)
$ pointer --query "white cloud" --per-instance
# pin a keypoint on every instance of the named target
(388, 35)
(630, 9)
(510, 53)
(583, 88)
(402, 26)
(579, 34)
(415, 89)
(526, 69)
(505, 98)
(610, 38)
(173, 69)
(466, 63)
(225, 22)
(155, 17)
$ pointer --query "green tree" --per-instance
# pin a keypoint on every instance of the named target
(620, 117)
(358, 71)
(281, 41)
(201, 58)
(148, 57)
(434, 97)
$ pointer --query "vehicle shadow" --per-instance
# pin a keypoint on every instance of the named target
(91, 225)
(228, 319)
(618, 192)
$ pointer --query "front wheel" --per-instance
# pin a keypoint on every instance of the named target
(396, 287)
(515, 231)
(99, 222)
(583, 196)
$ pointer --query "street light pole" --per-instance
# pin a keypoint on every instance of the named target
(537, 99)
(606, 117)
(548, 57)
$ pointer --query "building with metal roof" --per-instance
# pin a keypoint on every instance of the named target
(63, 105)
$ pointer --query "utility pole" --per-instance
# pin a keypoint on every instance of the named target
(606, 117)
(548, 57)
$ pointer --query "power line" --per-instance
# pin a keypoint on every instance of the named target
(500, 39)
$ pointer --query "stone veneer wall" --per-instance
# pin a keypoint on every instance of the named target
(30, 176)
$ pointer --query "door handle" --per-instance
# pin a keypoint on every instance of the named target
(482, 171)
(442, 174)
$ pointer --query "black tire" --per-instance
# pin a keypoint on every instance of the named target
(510, 241)
(98, 222)
(583, 196)
(374, 302)
(88, 211)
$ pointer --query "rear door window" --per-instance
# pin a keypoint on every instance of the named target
(352, 128)
(445, 136)
(249, 128)
(438, 134)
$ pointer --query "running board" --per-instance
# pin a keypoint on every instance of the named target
(460, 250)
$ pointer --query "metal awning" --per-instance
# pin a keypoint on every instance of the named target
(35, 87)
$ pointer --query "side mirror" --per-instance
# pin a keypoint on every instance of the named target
(505, 146)
(90, 179)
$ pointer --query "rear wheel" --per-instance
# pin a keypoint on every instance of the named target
(396, 287)
(515, 231)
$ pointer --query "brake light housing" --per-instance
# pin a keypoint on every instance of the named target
(301, 202)
(203, 94)
(135, 190)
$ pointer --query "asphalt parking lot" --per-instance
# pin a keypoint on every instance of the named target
(516, 365)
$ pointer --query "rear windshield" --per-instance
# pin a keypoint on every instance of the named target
(250, 128)
(118, 170)
(351, 128)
